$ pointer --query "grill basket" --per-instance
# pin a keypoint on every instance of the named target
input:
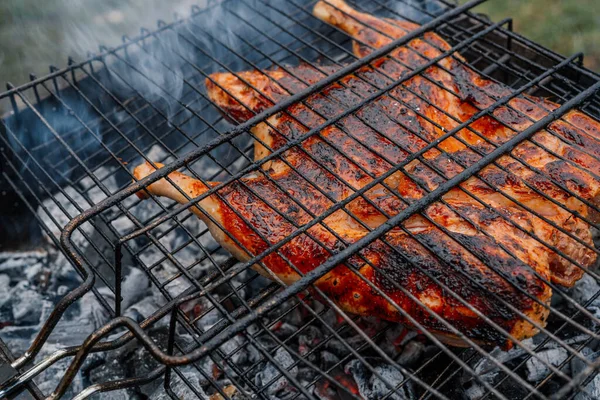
(217, 328)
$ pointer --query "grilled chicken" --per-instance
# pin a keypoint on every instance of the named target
(476, 260)
(403, 265)
(460, 96)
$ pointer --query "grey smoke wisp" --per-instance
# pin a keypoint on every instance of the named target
(36, 34)
(152, 70)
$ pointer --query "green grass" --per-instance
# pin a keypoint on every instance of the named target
(565, 26)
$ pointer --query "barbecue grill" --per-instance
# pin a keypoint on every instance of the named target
(215, 328)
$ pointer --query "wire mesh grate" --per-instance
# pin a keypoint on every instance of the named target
(219, 328)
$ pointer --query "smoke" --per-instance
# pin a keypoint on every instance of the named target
(51, 31)
(419, 11)
(163, 73)
(45, 33)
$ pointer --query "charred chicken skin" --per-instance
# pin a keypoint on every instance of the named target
(474, 264)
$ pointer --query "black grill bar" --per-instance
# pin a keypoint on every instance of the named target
(284, 216)
(524, 206)
(539, 145)
(84, 271)
(235, 132)
(541, 346)
(509, 33)
(275, 154)
(487, 111)
(491, 108)
(29, 355)
(46, 228)
(535, 213)
(114, 127)
(187, 296)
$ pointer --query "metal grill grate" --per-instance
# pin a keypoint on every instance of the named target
(230, 332)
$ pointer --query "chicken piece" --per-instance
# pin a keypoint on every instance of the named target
(405, 131)
(475, 250)
(405, 264)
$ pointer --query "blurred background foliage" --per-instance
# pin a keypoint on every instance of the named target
(565, 26)
(36, 33)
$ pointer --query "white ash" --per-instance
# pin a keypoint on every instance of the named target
(584, 290)
(209, 370)
(56, 212)
(235, 350)
(267, 375)
(13, 264)
(552, 353)
(254, 355)
(143, 309)
(328, 359)
(177, 286)
(592, 390)
(487, 369)
(180, 389)
(157, 153)
(134, 287)
(22, 277)
(286, 329)
(578, 366)
(4, 289)
(141, 298)
(208, 319)
(26, 304)
(34, 283)
(372, 387)
(536, 366)
(91, 311)
(177, 238)
(475, 391)
(91, 187)
(308, 339)
(411, 354)
(397, 331)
